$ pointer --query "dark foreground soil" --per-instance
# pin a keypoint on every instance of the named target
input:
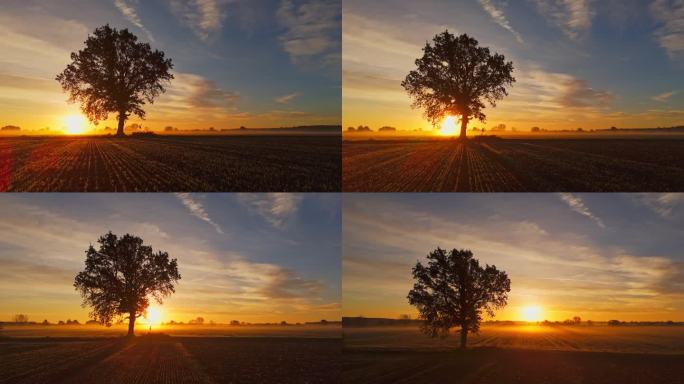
(498, 165)
(164, 359)
(502, 366)
(297, 163)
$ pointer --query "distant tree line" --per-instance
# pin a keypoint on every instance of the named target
(365, 128)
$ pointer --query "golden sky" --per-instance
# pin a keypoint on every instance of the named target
(261, 65)
(578, 64)
(597, 256)
(251, 257)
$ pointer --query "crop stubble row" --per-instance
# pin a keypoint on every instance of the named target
(513, 165)
(299, 163)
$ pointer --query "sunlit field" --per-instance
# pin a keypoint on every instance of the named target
(171, 163)
(171, 354)
(219, 330)
(488, 164)
(517, 354)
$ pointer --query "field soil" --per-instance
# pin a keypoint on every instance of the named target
(516, 354)
(502, 366)
(171, 163)
(166, 359)
(510, 165)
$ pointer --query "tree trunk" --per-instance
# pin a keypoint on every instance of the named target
(464, 125)
(464, 336)
(120, 129)
(131, 324)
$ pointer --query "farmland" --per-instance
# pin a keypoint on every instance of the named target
(517, 354)
(160, 358)
(171, 163)
(509, 165)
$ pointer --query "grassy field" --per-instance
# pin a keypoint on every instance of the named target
(171, 163)
(290, 355)
(498, 165)
(517, 354)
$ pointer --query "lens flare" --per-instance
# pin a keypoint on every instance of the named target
(154, 316)
(531, 313)
(449, 127)
(75, 124)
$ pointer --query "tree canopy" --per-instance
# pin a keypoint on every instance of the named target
(115, 73)
(121, 276)
(452, 289)
(455, 76)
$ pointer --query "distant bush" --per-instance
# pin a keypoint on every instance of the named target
(387, 129)
(10, 128)
(197, 321)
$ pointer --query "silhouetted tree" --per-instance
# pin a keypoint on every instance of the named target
(577, 320)
(455, 77)
(453, 290)
(21, 318)
(120, 277)
(115, 73)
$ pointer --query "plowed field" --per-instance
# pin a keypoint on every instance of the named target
(164, 359)
(170, 164)
(548, 165)
(516, 354)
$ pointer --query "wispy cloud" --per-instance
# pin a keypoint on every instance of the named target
(670, 35)
(276, 208)
(127, 8)
(204, 17)
(197, 209)
(574, 269)
(204, 93)
(577, 204)
(572, 16)
(500, 18)
(311, 29)
(286, 98)
(577, 93)
(664, 97)
(665, 204)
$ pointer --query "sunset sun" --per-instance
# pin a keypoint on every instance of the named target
(75, 124)
(531, 313)
(448, 126)
(154, 316)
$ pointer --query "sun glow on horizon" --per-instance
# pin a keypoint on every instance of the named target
(449, 127)
(154, 316)
(531, 313)
(75, 125)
